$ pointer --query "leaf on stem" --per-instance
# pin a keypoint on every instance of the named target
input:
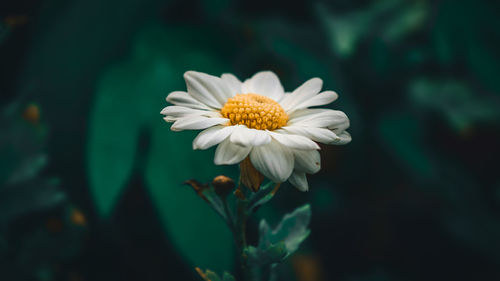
(274, 253)
(261, 197)
(292, 230)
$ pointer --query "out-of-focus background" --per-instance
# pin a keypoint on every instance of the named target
(91, 176)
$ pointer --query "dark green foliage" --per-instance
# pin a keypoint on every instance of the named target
(415, 196)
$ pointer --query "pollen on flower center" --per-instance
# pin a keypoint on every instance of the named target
(254, 111)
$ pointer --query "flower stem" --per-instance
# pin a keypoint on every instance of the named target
(239, 233)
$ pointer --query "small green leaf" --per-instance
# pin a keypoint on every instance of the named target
(292, 230)
(262, 196)
(274, 253)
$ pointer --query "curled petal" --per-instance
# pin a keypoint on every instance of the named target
(342, 138)
(299, 180)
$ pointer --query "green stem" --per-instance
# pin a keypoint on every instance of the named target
(239, 232)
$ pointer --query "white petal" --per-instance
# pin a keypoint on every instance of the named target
(228, 153)
(264, 83)
(176, 111)
(293, 141)
(299, 180)
(322, 135)
(233, 83)
(261, 137)
(244, 136)
(319, 99)
(193, 122)
(207, 89)
(319, 118)
(212, 136)
(308, 161)
(342, 138)
(184, 99)
(306, 91)
(273, 160)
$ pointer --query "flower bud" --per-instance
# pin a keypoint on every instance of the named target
(32, 114)
(223, 185)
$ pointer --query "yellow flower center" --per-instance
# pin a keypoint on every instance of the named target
(254, 111)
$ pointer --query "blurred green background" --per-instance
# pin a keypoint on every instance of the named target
(91, 176)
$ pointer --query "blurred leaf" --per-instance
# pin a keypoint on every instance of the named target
(212, 276)
(228, 277)
(391, 19)
(29, 169)
(406, 19)
(345, 31)
(484, 60)
(128, 101)
(456, 40)
(22, 190)
(29, 197)
(209, 275)
(456, 101)
(121, 108)
(292, 230)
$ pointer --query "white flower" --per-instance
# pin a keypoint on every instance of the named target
(278, 131)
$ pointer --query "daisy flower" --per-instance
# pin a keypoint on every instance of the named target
(257, 123)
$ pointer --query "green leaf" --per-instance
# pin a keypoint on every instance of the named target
(391, 19)
(274, 253)
(344, 31)
(459, 104)
(126, 100)
(128, 104)
(409, 17)
(31, 196)
(292, 230)
(262, 196)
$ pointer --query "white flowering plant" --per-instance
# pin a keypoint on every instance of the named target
(273, 136)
